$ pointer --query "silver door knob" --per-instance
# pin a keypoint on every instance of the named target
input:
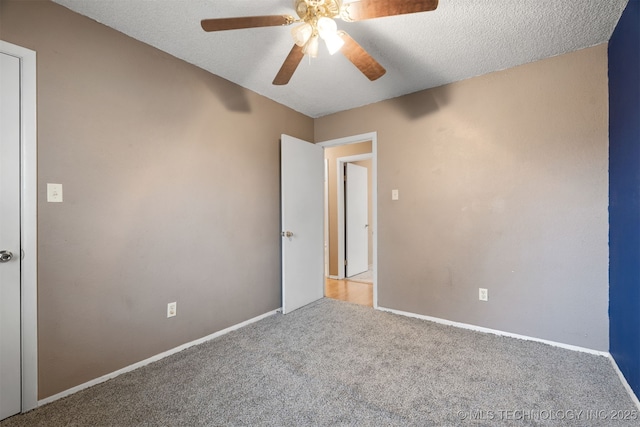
(5, 256)
(287, 234)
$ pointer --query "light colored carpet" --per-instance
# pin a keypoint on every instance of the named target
(335, 363)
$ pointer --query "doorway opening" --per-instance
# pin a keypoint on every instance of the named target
(351, 219)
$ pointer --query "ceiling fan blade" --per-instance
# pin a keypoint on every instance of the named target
(369, 9)
(223, 24)
(289, 66)
(360, 58)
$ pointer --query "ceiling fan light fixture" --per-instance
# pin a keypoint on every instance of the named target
(328, 31)
(326, 27)
(311, 48)
(301, 34)
(334, 43)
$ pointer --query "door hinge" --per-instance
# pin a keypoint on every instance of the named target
(345, 262)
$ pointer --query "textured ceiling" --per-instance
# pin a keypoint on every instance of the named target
(461, 39)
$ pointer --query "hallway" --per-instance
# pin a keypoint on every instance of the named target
(350, 291)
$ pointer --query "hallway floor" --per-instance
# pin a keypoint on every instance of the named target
(347, 290)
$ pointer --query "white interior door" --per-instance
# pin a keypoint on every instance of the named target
(10, 343)
(302, 181)
(326, 218)
(356, 209)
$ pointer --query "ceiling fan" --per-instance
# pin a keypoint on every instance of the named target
(317, 21)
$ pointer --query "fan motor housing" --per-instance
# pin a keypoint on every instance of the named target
(307, 9)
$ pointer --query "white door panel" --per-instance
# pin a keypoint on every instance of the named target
(356, 208)
(10, 362)
(302, 181)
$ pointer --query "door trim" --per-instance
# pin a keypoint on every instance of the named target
(364, 137)
(28, 222)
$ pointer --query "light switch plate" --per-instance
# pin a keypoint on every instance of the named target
(54, 193)
(395, 195)
(172, 309)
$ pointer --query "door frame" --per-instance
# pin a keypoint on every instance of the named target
(354, 139)
(28, 223)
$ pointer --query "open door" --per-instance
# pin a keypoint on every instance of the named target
(302, 183)
(357, 219)
(10, 337)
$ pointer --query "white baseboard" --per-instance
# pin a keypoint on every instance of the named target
(624, 382)
(153, 359)
(333, 277)
(496, 332)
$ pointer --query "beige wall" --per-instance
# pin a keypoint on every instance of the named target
(503, 185)
(332, 154)
(171, 187)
